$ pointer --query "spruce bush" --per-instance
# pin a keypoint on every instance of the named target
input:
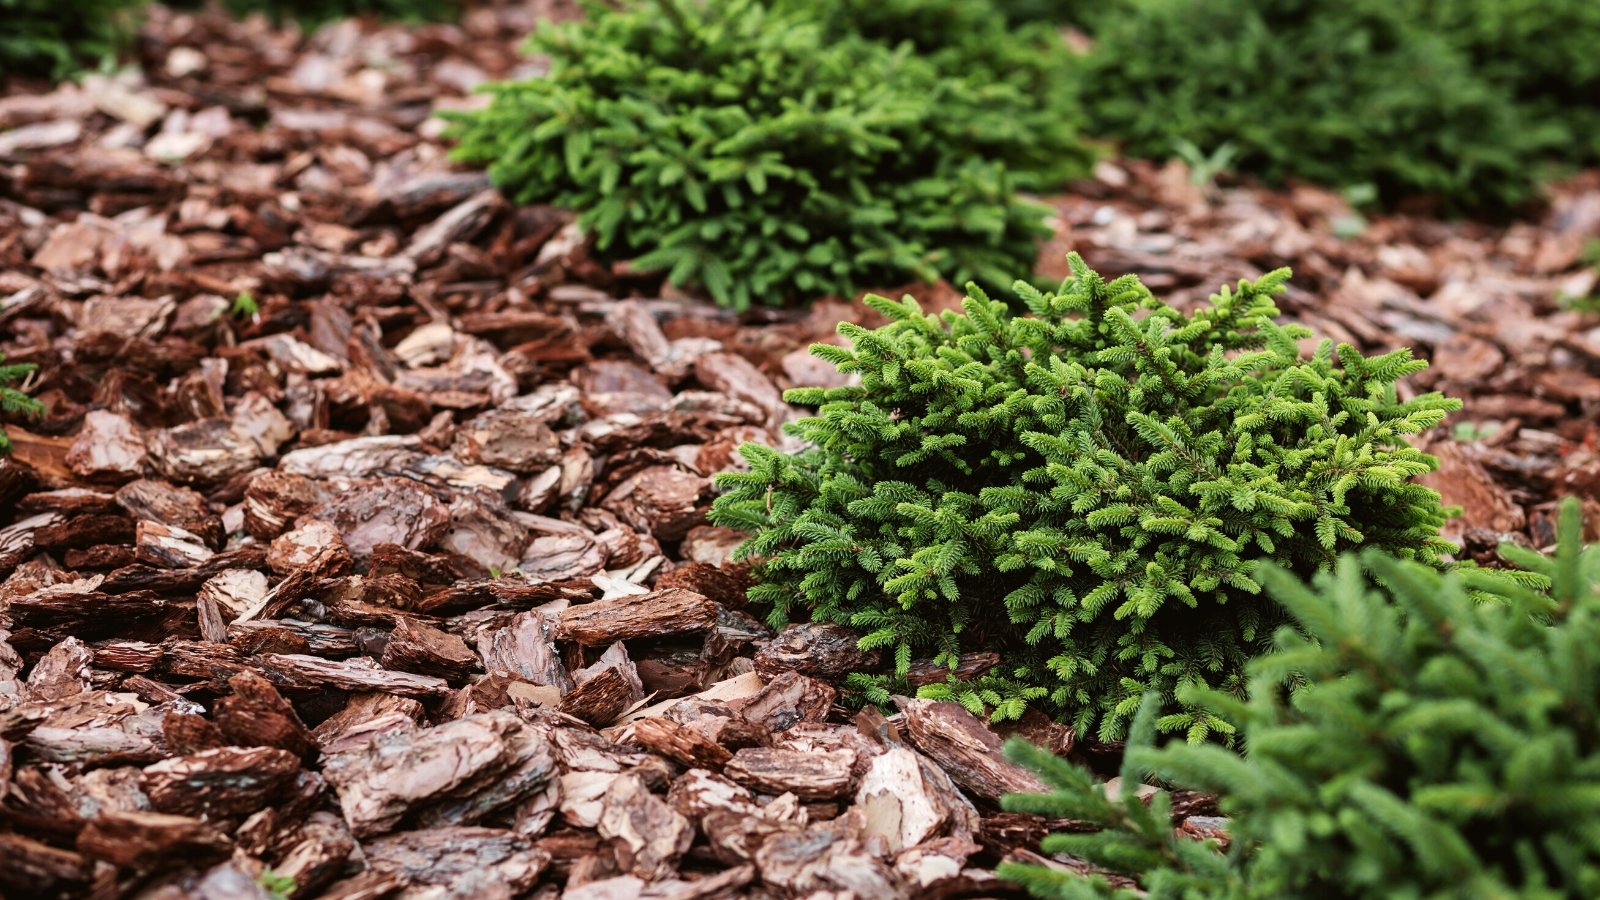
(1338, 92)
(54, 39)
(1410, 740)
(13, 400)
(753, 153)
(1544, 50)
(972, 40)
(1084, 489)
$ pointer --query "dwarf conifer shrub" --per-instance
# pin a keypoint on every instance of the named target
(13, 400)
(54, 39)
(973, 40)
(753, 153)
(1544, 50)
(1049, 11)
(1084, 489)
(1408, 740)
(1338, 92)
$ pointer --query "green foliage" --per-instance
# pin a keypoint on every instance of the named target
(1339, 92)
(13, 400)
(277, 885)
(1544, 50)
(971, 40)
(754, 153)
(1410, 740)
(1084, 490)
(244, 306)
(54, 39)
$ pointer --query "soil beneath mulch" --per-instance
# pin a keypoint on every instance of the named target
(400, 584)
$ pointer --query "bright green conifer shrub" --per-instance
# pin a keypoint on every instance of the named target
(1338, 92)
(13, 400)
(1413, 740)
(54, 39)
(750, 152)
(1084, 489)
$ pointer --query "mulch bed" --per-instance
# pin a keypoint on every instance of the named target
(401, 586)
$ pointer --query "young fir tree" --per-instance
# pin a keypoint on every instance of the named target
(1411, 740)
(973, 41)
(747, 150)
(13, 400)
(1343, 93)
(1084, 490)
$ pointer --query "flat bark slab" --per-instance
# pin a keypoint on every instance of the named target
(650, 614)
(408, 772)
(808, 775)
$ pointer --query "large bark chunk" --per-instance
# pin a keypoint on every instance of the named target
(388, 511)
(407, 771)
(963, 747)
(354, 675)
(465, 862)
(818, 649)
(810, 775)
(256, 715)
(647, 835)
(217, 783)
(142, 838)
(641, 615)
(418, 647)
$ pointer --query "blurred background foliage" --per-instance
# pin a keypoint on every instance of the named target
(1465, 106)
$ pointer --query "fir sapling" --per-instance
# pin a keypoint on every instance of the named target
(746, 150)
(1407, 738)
(1084, 489)
(12, 399)
(973, 41)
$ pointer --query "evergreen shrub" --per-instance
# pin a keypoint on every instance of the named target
(972, 40)
(753, 153)
(1544, 50)
(1084, 490)
(1380, 93)
(53, 39)
(1410, 740)
(13, 400)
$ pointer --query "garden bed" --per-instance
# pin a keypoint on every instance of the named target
(340, 443)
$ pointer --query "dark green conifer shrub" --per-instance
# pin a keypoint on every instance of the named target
(13, 400)
(54, 39)
(972, 40)
(1338, 92)
(1544, 50)
(1413, 740)
(750, 152)
(1083, 489)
